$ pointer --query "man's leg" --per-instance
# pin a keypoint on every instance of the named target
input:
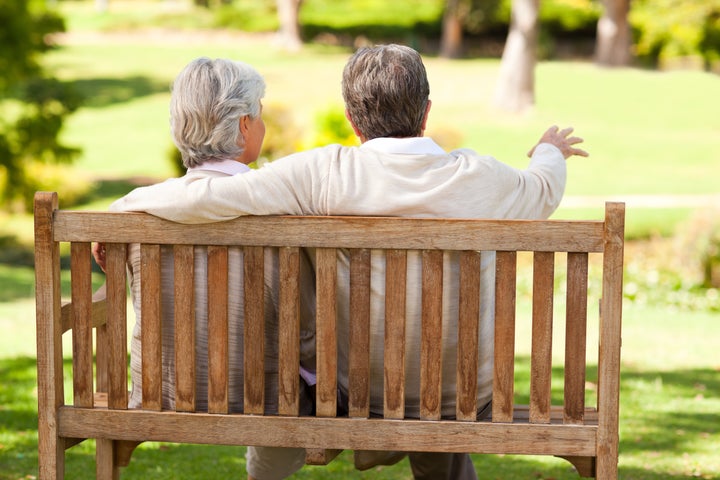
(442, 466)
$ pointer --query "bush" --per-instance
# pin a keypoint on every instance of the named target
(670, 31)
(699, 244)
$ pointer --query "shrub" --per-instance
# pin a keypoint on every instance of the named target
(668, 31)
(699, 245)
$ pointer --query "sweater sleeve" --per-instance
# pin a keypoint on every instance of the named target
(294, 185)
(531, 193)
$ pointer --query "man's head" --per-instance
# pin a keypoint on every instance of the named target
(386, 92)
(209, 100)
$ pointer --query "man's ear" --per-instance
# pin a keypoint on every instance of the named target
(425, 118)
(355, 129)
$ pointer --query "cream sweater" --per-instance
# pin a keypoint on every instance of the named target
(391, 177)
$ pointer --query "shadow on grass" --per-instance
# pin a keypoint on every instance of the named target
(660, 412)
(103, 92)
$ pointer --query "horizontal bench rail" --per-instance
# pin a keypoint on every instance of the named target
(344, 433)
(336, 232)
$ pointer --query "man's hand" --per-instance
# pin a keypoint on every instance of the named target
(561, 139)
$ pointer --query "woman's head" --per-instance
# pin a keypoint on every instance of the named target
(209, 101)
(386, 91)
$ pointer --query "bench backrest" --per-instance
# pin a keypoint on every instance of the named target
(550, 241)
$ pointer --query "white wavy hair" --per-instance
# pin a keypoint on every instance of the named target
(208, 99)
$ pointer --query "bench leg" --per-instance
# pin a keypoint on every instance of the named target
(105, 460)
(111, 455)
(585, 466)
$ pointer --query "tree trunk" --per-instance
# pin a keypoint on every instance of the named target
(516, 83)
(288, 15)
(452, 29)
(612, 47)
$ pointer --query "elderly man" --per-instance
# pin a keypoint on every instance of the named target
(395, 172)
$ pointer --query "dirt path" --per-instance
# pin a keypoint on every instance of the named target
(645, 201)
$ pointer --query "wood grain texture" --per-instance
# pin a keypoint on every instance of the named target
(151, 333)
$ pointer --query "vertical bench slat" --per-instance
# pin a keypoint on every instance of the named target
(359, 351)
(541, 353)
(151, 334)
(116, 326)
(504, 363)
(610, 340)
(254, 334)
(51, 448)
(431, 335)
(217, 328)
(468, 325)
(184, 328)
(81, 294)
(326, 332)
(575, 337)
(289, 326)
(394, 348)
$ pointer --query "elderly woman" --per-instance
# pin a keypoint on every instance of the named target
(216, 123)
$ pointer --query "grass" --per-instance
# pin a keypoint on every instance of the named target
(669, 405)
(649, 133)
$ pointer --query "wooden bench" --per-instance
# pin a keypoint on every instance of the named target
(562, 423)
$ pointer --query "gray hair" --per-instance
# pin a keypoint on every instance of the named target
(386, 91)
(208, 99)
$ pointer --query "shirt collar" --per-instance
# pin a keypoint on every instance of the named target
(228, 167)
(404, 146)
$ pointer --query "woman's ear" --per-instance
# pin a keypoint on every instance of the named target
(244, 125)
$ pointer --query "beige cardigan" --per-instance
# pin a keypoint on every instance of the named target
(411, 178)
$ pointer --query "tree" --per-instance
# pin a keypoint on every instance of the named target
(452, 28)
(613, 42)
(516, 83)
(289, 18)
(34, 105)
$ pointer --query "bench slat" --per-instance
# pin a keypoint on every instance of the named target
(610, 340)
(184, 295)
(81, 293)
(116, 327)
(289, 327)
(394, 348)
(151, 333)
(575, 337)
(217, 328)
(254, 334)
(541, 353)
(326, 332)
(468, 325)
(359, 348)
(431, 335)
(504, 363)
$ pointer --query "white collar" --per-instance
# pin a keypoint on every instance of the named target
(228, 167)
(405, 146)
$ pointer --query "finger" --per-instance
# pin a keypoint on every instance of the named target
(580, 152)
(574, 140)
(566, 131)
